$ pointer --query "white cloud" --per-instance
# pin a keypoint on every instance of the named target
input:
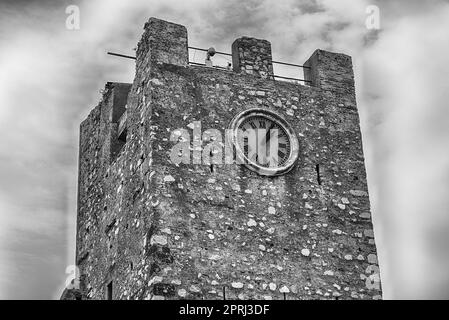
(407, 70)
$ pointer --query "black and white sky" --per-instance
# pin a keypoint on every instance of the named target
(50, 78)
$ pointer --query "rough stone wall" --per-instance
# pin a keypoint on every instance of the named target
(252, 56)
(158, 230)
(71, 294)
(164, 42)
(331, 72)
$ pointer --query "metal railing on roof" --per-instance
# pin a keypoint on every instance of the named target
(224, 68)
(204, 65)
(274, 76)
(121, 55)
(205, 50)
(278, 62)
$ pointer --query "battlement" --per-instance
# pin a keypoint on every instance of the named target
(151, 228)
(166, 42)
(252, 56)
(163, 42)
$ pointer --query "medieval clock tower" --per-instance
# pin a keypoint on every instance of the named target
(290, 222)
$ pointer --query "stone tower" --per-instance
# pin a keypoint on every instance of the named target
(152, 228)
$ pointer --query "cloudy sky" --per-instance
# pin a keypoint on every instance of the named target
(50, 78)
